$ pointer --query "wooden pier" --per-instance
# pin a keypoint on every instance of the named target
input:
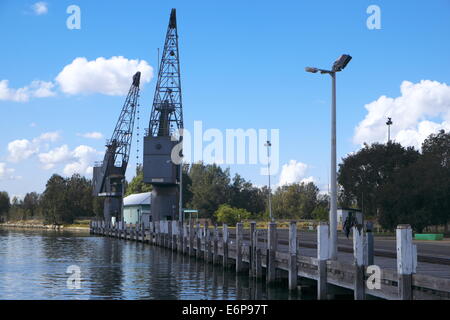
(258, 253)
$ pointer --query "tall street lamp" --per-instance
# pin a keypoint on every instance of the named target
(268, 145)
(338, 65)
(389, 123)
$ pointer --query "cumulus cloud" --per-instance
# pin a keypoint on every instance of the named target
(22, 149)
(40, 8)
(83, 157)
(421, 109)
(37, 89)
(57, 155)
(107, 76)
(294, 172)
(6, 173)
(78, 160)
(91, 135)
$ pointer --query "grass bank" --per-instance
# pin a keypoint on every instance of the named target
(82, 225)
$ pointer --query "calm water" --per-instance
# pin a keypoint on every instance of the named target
(33, 265)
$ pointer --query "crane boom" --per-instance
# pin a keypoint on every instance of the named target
(109, 175)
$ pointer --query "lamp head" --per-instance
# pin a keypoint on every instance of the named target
(341, 62)
(312, 70)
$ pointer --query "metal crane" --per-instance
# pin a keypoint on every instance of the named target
(166, 118)
(109, 175)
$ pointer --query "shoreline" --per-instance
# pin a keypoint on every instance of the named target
(42, 226)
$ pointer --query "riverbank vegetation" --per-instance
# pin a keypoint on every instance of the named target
(390, 183)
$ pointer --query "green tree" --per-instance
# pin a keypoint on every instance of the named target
(137, 184)
(55, 201)
(187, 186)
(210, 188)
(362, 175)
(80, 198)
(4, 205)
(295, 201)
(230, 215)
(321, 211)
(244, 195)
(31, 204)
(419, 194)
(436, 155)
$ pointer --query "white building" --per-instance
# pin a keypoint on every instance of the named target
(136, 208)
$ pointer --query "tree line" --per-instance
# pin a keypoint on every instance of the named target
(388, 182)
(398, 185)
(63, 201)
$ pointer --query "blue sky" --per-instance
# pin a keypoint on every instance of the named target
(242, 65)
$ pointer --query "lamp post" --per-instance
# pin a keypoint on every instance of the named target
(338, 65)
(388, 123)
(268, 145)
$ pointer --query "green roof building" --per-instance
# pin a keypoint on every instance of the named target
(136, 208)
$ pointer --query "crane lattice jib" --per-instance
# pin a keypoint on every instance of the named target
(167, 115)
(123, 133)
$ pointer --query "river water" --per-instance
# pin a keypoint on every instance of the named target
(43, 264)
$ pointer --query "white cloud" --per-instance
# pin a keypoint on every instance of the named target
(22, 149)
(40, 8)
(294, 172)
(107, 76)
(57, 155)
(421, 109)
(6, 173)
(37, 89)
(83, 156)
(42, 89)
(49, 136)
(91, 135)
(78, 160)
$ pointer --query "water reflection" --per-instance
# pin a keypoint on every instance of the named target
(33, 265)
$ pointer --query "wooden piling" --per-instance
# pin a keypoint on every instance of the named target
(225, 245)
(207, 244)
(322, 257)
(271, 251)
(191, 238)
(185, 238)
(180, 236)
(258, 262)
(358, 256)
(251, 253)
(406, 261)
(172, 232)
(292, 282)
(215, 245)
(199, 241)
(239, 243)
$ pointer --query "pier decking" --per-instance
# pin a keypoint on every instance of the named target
(259, 254)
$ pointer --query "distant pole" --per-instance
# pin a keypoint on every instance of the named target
(389, 123)
(268, 145)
